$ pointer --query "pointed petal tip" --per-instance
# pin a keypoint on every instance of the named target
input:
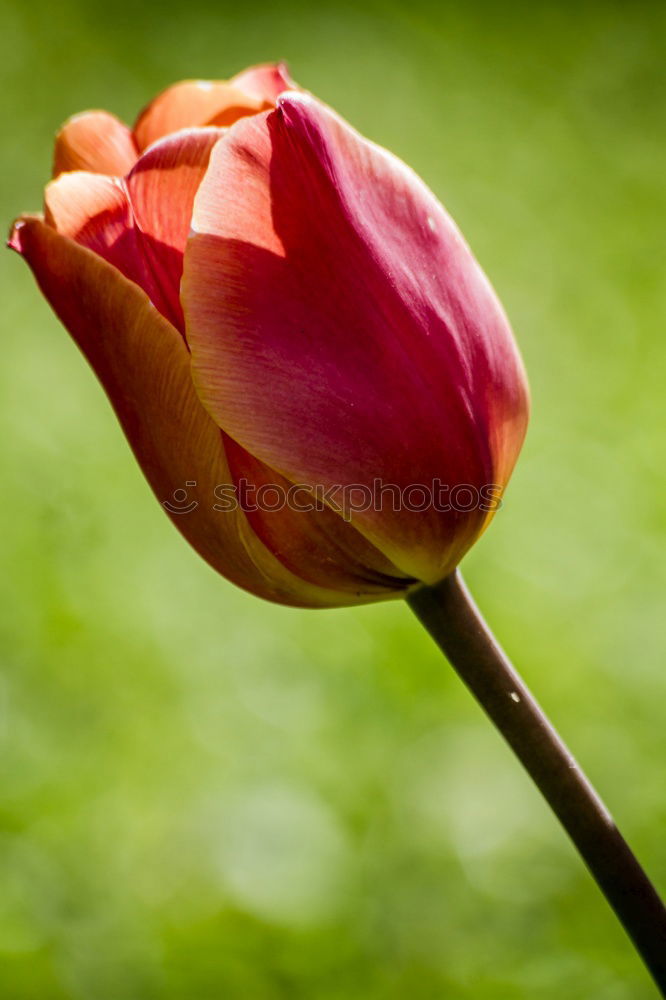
(17, 232)
(282, 72)
(301, 111)
(294, 99)
(14, 236)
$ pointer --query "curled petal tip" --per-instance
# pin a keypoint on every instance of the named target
(294, 99)
(14, 237)
(300, 112)
(16, 232)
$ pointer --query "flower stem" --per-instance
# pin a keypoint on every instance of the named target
(448, 612)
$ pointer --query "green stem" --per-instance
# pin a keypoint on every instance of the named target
(449, 614)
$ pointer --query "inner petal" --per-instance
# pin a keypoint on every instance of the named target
(190, 104)
(96, 141)
(140, 223)
(161, 189)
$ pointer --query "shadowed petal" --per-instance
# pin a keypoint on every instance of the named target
(96, 141)
(304, 533)
(193, 103)
(323, 270)
(143, 365)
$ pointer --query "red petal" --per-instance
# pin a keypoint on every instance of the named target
(341, 330)
(193, 103)
(265, 82)
(144, 367)
(94, 141)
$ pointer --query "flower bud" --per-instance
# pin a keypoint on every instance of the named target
(313, 372)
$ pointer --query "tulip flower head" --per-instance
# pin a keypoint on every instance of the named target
(310, 366)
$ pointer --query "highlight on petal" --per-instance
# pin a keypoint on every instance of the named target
(140, 225)
(95, 141)
(143, 365)
(265, 82)
(321, 268)
(89, 208)
(193, 103)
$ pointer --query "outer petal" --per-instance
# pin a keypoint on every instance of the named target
(94, 141)
(139, 225)
(193, 103)
(144, 367)
(265, 82)
(326, 284)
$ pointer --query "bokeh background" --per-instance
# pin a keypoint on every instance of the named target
(205, 797)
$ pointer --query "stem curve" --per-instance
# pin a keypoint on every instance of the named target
(448, 612)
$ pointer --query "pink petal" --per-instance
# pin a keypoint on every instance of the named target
(342, 331)
(265, 82)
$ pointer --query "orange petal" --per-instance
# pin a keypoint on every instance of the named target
(265, 82)
(164, 181)
(95, 141)
(94, 210)
(193, 103)
(77, 203)
(143, 365)
(141, 224)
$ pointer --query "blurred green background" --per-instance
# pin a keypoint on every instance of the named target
(206, 797)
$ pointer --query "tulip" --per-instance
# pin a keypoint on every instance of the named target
(268, 298)
(271, 301)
